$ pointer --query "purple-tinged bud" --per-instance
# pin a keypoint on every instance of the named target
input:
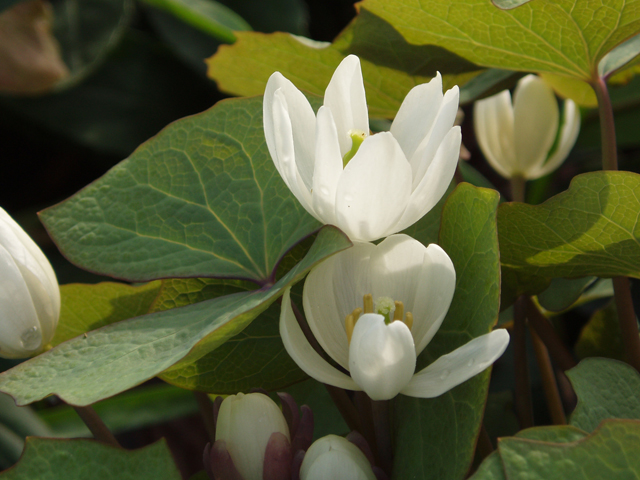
(277, 458)
(298, 458)
(304, 433)
(290, 412)
(218, 463)
(359, 441)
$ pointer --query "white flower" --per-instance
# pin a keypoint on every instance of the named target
(335, 458)
(246, 423)
(369, 186)
(381, 353)
(29, 293)
(517, 138)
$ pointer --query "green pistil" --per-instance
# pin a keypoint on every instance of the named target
(357, 137)
(385, 307)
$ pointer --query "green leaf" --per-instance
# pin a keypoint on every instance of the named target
(201, 199)
(567, 37)
(619, 57)
(273, 15)
(390, 65)
(589, 229)
(88, 307)
(449, 424)
(117, 357)
(47, 459)
(141, 407)
(208, 16)
(426, 229)
(606, 389)
(509, 4)
(601, 336)
(562, 293)
(487, 83)
(254, 358)
(610, 452)
(5, 4)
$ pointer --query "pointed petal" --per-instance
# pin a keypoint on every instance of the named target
(382, 357)
(285, 152)
(535, 122)
(423, 157)
(458, 366)
(303, 122)
(435, 181)
(374, 189)
(328, 167)
(16, 311)
(417, 113)
(346, 99)
(331, 292)
(218, 462)
(434, 294)
(278, 456)
(332, 457)
(303, 353)
(493, 124)
(568, 136)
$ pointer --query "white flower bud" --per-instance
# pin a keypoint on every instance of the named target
(335, 458)
(245, 423)
(29, 293)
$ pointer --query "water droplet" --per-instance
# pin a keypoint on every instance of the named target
(31, 338)
(470, 362)
(444, 374)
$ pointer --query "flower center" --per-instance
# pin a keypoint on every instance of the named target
(357, 137)
(384, 306)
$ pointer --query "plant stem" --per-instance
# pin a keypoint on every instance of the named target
(382, 427)
(96, 426)
(626, 314)
(518, 189)
(484, 447)
(365, 413)
(206, 411)
(345, 406)
(524, 409)
(556, 348)
(549, 384)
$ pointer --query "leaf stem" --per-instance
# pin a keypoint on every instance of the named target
(524, 408)
(548, 335)
(345, 406)
(206, 411)
(554, 403)
(382, 427)
(96, 426)
(518, 188)
(607, 125)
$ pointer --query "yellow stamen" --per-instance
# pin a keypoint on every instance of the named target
(350, 322)
(367, 300)
(399, 311)
(408, 320)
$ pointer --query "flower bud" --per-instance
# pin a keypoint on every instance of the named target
(29, 293)
(335, 458)
(246, 423)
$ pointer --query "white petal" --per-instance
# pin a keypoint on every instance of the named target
(17, 313)
(303, 122)
(374, 189)
(423, 157)
(328, 167)
(382, 357)
(493, 124)
(335, 458)
(435, 181)
(346, 99)
(301, 351)
(568, 136)
(535, 122)
(416, 115)
(458, 366)
(285, 152)
(332, 291)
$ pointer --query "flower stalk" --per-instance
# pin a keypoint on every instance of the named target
(551, 393)
(524, 409)
(96, 426)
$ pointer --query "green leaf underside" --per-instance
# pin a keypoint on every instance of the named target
(390, 66)
(562, 293)
(117, 357)
(606, 389)
(450, 423)
(567, 37)
(590, 229)
(491, 468)
(610, 452)
(601, 336)
(254, 358)
(200, 199)
(80, 459)
(88, 307)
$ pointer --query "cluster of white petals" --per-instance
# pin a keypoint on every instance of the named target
(381, 356)
(517, 138)
(29, 293)
(369, 186)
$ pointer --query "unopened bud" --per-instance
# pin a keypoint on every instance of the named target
(336, 458)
